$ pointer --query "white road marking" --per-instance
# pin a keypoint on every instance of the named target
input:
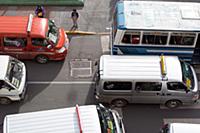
(61, 82)
(181, 120)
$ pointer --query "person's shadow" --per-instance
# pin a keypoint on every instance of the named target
(73, 28)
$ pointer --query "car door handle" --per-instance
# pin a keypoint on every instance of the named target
(168, 94)
(161, 94)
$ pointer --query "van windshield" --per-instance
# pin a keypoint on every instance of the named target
(187, 74)
(106, 120)
(53, 32)
(14, 72)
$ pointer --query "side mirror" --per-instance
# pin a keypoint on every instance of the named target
(49, 46)
(53, 21)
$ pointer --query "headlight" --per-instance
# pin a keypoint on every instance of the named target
(61, 50)
(66, 45)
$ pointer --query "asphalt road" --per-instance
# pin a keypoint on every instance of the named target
(61, 84)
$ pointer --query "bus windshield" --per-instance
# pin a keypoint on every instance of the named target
(14, 72)
(187, 74)
(106, 120)
(53, 33)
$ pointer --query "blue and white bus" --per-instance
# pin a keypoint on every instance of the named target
(154, 28)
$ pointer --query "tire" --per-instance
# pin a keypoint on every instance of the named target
(119, 102)
(172, 104)
(5, 100)
(42, 59)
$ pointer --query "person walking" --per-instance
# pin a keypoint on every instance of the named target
(74, 16)
(39, 11)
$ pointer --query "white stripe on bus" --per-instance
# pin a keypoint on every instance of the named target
(170, 51)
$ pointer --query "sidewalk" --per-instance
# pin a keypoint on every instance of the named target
(42, 2)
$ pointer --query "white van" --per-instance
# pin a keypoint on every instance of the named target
(83, 119)
(180, 128)
(146, 79)
(12, 79)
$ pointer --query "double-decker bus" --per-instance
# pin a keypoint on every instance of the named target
(155, 28)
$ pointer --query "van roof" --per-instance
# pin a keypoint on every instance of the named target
(139, 67)
(184, 128)
(157, 15)
(54, 121)
(17, 25)
(4, 59)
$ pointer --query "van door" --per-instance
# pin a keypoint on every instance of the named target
(15, 46)
(177, 91)
(147, 92)
(39, 47)
(113, 90)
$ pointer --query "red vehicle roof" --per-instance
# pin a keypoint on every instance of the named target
(17, 25)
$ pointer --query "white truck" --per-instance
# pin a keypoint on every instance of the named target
(79, 119)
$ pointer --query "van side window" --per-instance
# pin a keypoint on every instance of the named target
(115, 85)
(176, 86)
(39, 42)
(148, 86)
(15, 42)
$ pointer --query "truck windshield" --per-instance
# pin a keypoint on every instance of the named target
(53, 32)
(14, 72)
(106, 120)
(187, 74)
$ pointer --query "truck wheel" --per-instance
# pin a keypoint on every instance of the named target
(119, 102)
(172, 104)
(4, 100)
(42, 59)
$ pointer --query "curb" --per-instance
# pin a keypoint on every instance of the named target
(75, 32)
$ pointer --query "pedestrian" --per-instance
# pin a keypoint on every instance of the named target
(74, 16)
(39, 11)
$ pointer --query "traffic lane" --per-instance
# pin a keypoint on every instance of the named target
(81, 47)
(142, 118)
(50, 96)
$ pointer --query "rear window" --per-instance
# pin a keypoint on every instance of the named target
(116, 85)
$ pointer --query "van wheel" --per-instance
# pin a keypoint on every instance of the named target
(172, 104)
(4, 100)
(42, 59)
(119, 102)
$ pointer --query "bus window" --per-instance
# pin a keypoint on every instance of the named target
(182, 39)
(135, 38)
(155, 38)
(131, 38)
(126, 38)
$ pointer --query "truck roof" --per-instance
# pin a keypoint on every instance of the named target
(4, 59)
(54, 121)
(139, 67)
(184, 128)
(157, 15)
(17, 25)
